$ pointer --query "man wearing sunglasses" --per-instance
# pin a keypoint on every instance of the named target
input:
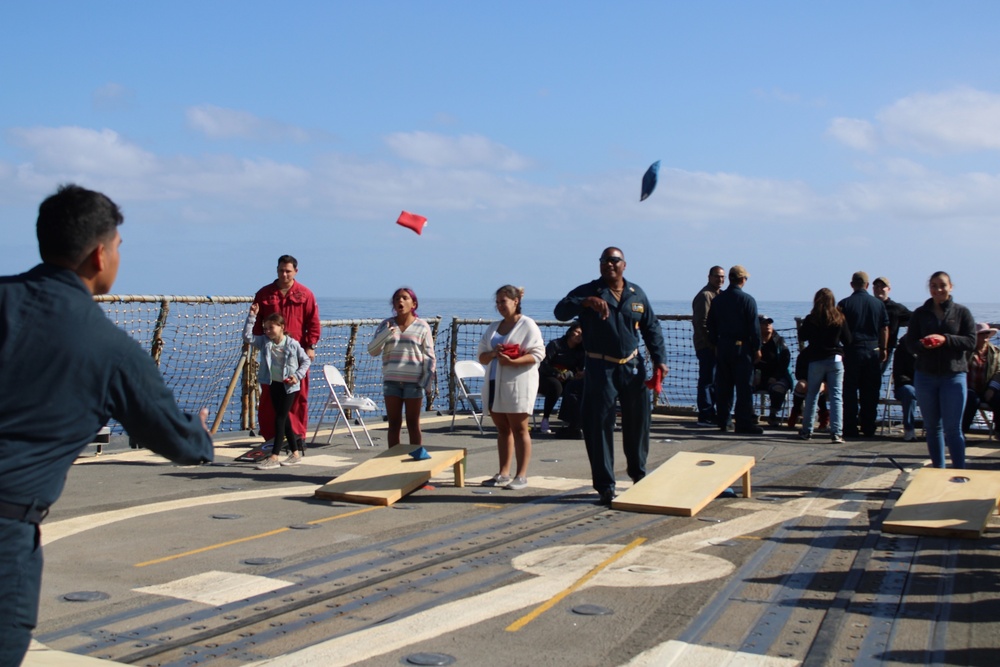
(616, 317)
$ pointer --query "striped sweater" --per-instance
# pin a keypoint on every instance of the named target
(407, 356)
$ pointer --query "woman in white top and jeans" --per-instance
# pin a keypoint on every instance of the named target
(511, 350)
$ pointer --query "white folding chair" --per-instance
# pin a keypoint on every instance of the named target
(469, 370)
(350, 402)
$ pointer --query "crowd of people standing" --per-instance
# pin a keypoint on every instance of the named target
(941, 366)
(944, 365)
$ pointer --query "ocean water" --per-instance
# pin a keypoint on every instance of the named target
(782, 312)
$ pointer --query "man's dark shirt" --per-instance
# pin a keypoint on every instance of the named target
(866, 317)
(618, 336)
(899, 315)
(65, 369)
(732, 318)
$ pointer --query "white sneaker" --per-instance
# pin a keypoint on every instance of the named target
(544, 427)
(909, 434)
(517, 484)
(268, 464)
(292, 460)
(497, 480)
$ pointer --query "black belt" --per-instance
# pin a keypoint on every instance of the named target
(27, 513)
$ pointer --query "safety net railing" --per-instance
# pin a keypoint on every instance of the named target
(197, 343)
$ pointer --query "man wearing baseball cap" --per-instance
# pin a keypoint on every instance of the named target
(897, 312)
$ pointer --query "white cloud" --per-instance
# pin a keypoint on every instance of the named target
(104, 159)
(219, 123)
(79, 150)
(261, 182)
(339, 200)
(465, 151)
(343, 187)
(855, 133)
(960, 120)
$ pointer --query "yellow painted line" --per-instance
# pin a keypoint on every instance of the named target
(544, 607)
(344, 516)
(248, 539)
(487, 506)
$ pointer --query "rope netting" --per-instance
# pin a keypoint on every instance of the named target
(679, 387)
(197, 343)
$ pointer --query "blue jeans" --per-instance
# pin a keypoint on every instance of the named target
(942, 402)
(830, 371)
(906, 394)
(706, 384)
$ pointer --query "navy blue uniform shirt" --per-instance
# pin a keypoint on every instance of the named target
(866, 317)
(65, 369)
(619, 335)
(732, 318)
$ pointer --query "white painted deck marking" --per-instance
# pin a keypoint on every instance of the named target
(681, 654)
(68, 527)
(549, 483)
(40, 655)
(389, 637)
(216, 588)
(326, 461)
(653, 565)
(557, 571)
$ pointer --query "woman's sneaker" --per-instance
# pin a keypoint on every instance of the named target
(517, 484)
(268, 464)
(497, 480)
(292, 460)
(836, 438)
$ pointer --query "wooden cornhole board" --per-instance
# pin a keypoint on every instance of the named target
(391, 475)
(686, 483)
(933, 504)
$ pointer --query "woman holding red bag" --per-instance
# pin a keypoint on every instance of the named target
(942, 334)
(511, 350)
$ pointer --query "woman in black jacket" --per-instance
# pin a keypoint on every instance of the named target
(826, 332)
(942, 333)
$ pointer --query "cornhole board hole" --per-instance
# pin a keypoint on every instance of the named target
(392, 474)
(945, 503)
(686, 483)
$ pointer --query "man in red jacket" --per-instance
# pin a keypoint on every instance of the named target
(297, 305)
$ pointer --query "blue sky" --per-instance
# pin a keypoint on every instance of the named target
(805, 140)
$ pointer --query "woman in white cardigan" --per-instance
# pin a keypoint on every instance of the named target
(511, 350)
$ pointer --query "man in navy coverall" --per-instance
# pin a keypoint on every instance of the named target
(614, 313)
(869, 324)
(66, 369)
(734, 329)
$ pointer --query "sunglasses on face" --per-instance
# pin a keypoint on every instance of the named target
(612, 260)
